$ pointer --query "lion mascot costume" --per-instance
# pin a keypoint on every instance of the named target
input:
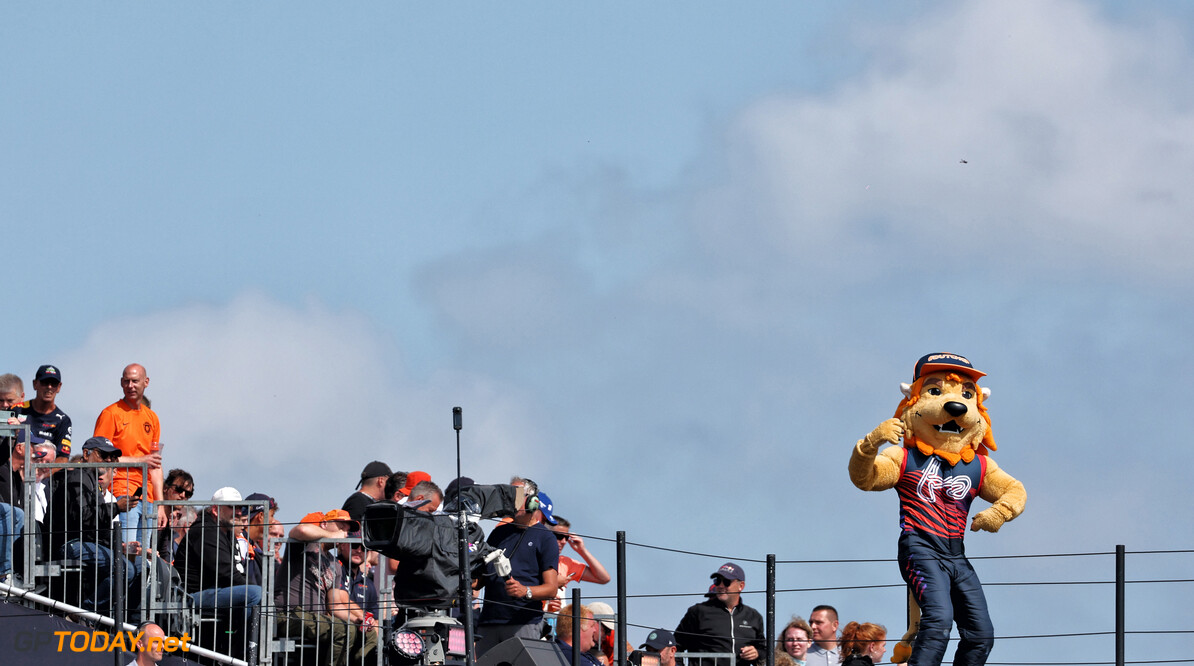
(941, 467)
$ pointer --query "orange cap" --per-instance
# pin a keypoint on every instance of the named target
(313, 518)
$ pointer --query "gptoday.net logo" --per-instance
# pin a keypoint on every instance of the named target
(96, 641)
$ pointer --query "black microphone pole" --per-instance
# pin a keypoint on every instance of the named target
(466, 581)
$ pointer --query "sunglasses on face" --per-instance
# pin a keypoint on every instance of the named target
(562, 537)
(181, 490)
(724, 582)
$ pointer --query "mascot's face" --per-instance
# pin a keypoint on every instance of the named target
(946, 414)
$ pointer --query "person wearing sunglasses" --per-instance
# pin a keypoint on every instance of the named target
(79, 524)
(42, 414)
(723, 623)
(179, 485)
(355, 578)
(209, 562)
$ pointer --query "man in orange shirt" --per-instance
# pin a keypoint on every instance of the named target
(135, 430)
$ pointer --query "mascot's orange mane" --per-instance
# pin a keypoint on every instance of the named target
(967, 453)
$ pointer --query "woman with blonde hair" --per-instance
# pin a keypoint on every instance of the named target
(863, 644)
(795, 639)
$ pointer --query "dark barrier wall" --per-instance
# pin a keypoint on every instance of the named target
(28, 638)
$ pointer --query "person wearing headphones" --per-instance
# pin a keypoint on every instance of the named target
(514, 605)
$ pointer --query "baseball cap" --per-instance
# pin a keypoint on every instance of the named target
(413, 479)
(313, 518)
(938, 361)
(730, 571)
(34, 438)
(256, 508)
(226, 494)
(47, 372)
(372, 470)
(341, 514)
(101, 444)
(659, 639)
(462, 482)
(546, 506)
(603, 613)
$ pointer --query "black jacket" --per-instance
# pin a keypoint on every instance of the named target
(711, 627)
(207, 557)
(12, 487)
(77, 510)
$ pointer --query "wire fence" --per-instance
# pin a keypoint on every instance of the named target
(269, 626)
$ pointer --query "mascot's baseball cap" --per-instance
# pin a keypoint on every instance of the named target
(938, 361)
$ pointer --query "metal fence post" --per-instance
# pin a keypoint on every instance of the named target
(771, 610)
(1119, 605)
(620, 638)
(578, 616)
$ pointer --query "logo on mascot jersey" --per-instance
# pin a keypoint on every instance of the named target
(931, 482)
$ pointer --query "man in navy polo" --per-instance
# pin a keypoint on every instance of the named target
(514, 605)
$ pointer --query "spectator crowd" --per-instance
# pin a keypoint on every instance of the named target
(120, 514)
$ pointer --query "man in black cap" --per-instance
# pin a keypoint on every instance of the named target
(42, 414)
(662, 643)
(80, 523)
(724, 623)
(371, 488)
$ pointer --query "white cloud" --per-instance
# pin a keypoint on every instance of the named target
(1077, 133)
(291, 401)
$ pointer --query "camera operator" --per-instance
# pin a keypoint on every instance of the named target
(513, 605)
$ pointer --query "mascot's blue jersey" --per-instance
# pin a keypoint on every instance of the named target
(935, 497)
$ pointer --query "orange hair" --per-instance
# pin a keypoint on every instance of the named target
(857, 638)
(910, 440)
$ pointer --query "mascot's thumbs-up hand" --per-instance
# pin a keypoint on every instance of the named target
(870, 470)
(891, 430)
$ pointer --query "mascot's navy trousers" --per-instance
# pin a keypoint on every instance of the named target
(947, 590)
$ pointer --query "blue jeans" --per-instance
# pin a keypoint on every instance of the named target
(98, 564)
(240, 599)
(130, 523)
(12, 523)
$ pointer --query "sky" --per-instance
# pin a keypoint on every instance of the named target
(672, 260)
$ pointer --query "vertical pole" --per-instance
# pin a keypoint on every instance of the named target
(620, 637)
(1119, 605)
(577, 618)
(466, 583)
(771, 610)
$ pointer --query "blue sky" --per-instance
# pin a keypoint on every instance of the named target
(672, 260)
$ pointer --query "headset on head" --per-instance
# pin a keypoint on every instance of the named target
(531, 503)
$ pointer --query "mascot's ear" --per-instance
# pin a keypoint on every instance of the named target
(986, 394)
(906, 389)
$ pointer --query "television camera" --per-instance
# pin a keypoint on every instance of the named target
(427, 582)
